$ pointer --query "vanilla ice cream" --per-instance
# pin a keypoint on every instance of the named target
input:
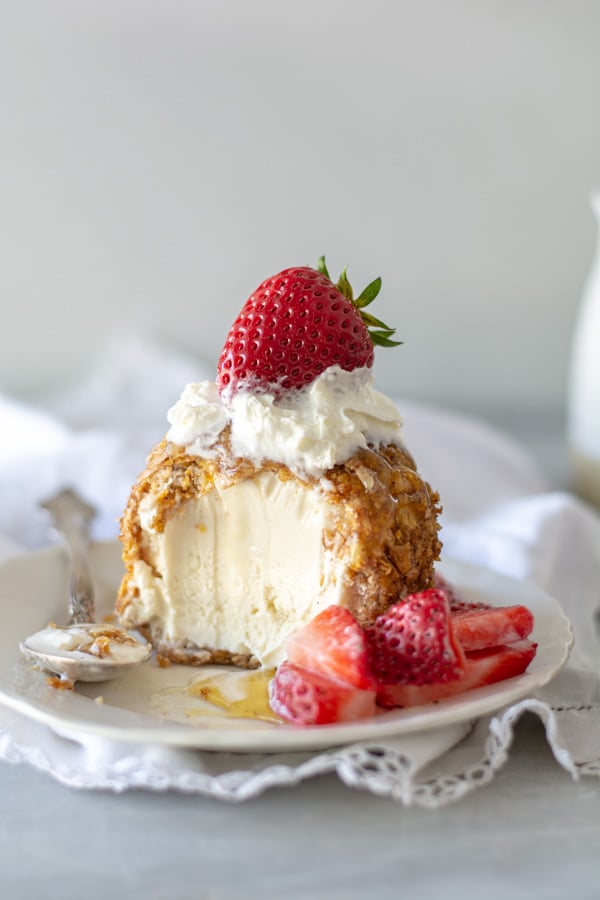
(241, 567)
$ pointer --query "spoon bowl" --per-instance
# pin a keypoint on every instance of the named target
(71, 651)
(81, 650)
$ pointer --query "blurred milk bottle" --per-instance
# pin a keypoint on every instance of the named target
(584, 385)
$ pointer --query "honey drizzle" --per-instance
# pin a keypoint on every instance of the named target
(242, 695)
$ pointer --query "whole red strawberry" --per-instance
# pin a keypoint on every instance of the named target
(294, 326)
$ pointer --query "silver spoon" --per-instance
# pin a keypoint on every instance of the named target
(81, 650)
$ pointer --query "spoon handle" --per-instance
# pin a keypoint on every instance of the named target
(71, 517)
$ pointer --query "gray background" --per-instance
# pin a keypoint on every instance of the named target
(160, 159)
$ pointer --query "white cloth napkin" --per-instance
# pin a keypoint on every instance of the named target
(497, 513)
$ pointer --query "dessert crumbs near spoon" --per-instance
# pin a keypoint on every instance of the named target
(60, 682)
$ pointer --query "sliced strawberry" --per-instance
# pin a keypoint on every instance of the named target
(309, 698)
(482, 667)
(478, 627)
(334, 644)
(413, 643)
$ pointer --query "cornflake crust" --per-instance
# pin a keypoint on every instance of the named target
(385, 528)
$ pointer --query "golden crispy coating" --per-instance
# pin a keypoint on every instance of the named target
(384, 526)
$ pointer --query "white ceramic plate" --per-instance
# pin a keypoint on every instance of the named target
(152, 705)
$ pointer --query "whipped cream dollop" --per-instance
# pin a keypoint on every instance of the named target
(197, 419)
(309, 430)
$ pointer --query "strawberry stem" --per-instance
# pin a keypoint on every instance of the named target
(379, 332)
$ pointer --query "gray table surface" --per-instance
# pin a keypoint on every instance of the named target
(531, 833)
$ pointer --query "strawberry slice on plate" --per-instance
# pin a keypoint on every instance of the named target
(415, 653)
(304, 697)
(478, 626)
(413, 642)
(334, 644)
(482, 667)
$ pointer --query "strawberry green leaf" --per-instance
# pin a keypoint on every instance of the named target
(344, 285)
(380, 339)
(371, 322)
(380, 333)
(322, 267)
(368, 295)
(383, 332)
